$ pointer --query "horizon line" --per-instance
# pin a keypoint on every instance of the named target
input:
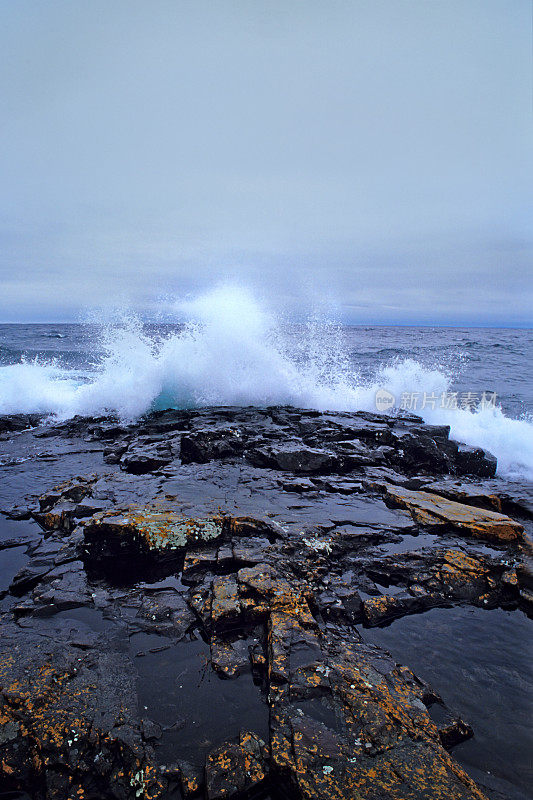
(524, 326)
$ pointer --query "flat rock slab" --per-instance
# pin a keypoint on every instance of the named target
(435, 510)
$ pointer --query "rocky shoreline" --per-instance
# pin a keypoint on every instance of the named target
(185, 620)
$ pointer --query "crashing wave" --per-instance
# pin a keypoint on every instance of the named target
(231, 351)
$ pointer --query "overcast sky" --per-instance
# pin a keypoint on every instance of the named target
(376, 153)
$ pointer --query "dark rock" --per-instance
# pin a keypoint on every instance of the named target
(438, 578)
(16, 512)
(230, 659)
(114, 452)
(416, 451)
(59, 517)
(233, 552)
(201, 446)
(72, 491)
(192, 779)
(236, 767)
(69, 723)
(455, 732)
(294, 459)
(150, 730)
(299, 485)
(494, 494)
(145, 457)
(11, 423)
(122, 539)
(475, 461)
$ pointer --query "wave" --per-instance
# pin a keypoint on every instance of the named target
(231, 351)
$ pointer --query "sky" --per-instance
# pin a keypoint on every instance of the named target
(374, 156)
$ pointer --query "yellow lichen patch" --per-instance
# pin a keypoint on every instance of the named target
(376, 608)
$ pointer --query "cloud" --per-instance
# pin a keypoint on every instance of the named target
(376, 153)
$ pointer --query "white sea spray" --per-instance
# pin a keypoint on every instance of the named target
(232, 351)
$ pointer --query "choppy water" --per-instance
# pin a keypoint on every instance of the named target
(232, 351)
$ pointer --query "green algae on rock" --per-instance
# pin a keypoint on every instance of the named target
(154, 528)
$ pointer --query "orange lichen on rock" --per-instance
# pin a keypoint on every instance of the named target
(50, 718)
(435, 510)
(378, 720)
(235, 767)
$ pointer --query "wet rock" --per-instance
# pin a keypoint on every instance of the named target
(30, 575)
(245, 574)
(64, 715)
(60, 508)
(150, 730)
(62, 588)
(436, 511)
(475, 461)
(343, 486)
(454, 732)
(367, 733)
(197, 561)
(428, 579)
(345, 427)
(146, 454)
(473, 495)
(72, 491)
(16, 512)
(384, 608)
(136, 531)
(388, 475)
(202, 446)
(165, 613)
(230, 658)
(192, 779)
(347, 604)
(114, 452)
(496, 495)
(237, 767)
(526, 598)
(415, 450)
(353, 454)
(248, 551)
(253, 526)
(295, 458)
(225, 605)
(59, 517)
(299, 485)
(11, 423)
(524, 575)
(107, 429)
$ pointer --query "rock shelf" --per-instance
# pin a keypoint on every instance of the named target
(189, 621)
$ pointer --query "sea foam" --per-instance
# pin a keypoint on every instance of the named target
(231, 351)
